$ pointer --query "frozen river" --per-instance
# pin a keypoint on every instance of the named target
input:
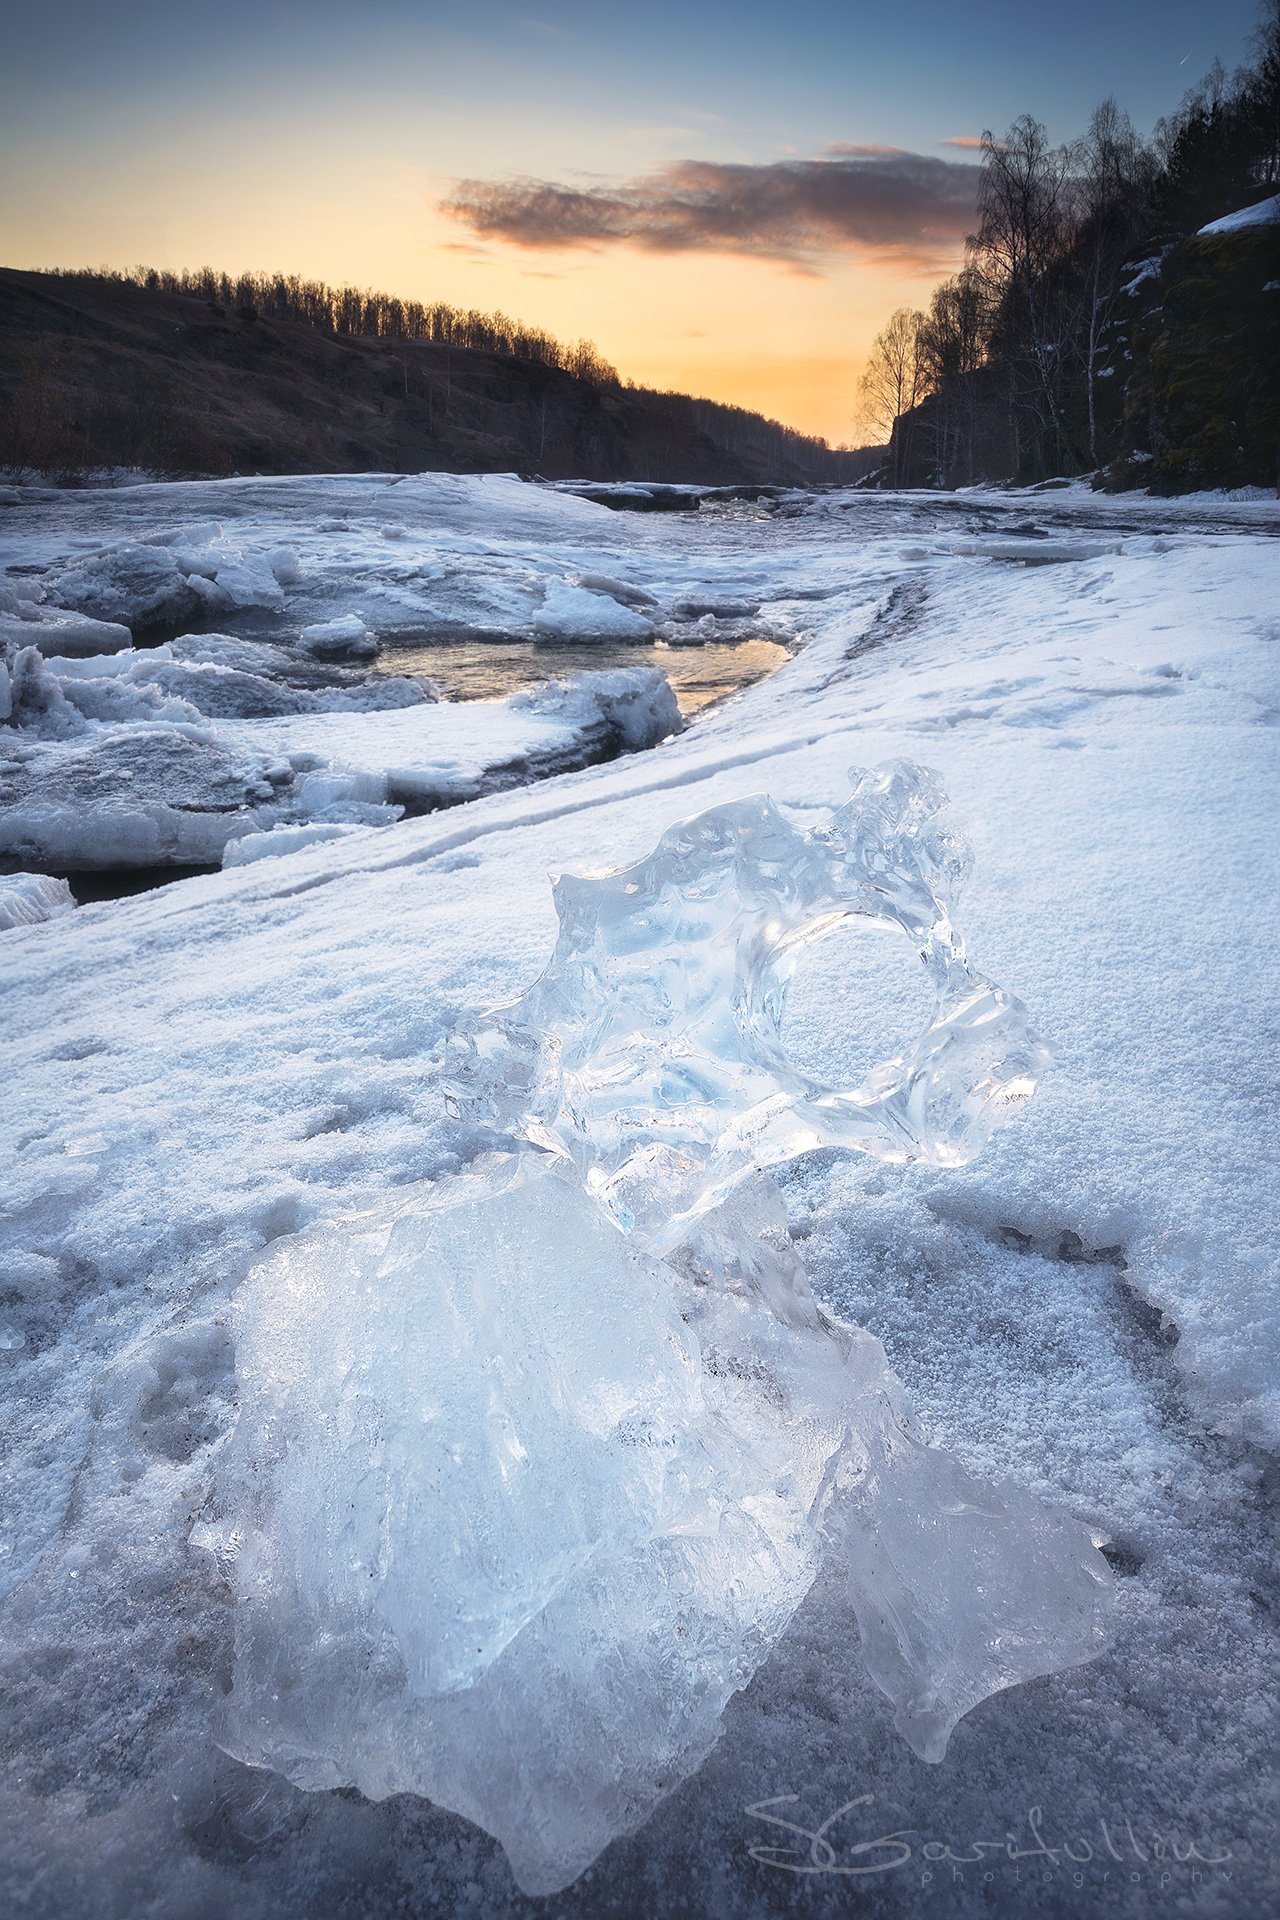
(197, 1074)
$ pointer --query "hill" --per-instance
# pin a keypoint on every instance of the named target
(99, 370)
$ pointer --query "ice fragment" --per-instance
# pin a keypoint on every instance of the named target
(534, 1465)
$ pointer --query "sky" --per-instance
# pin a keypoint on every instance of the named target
(728, 199)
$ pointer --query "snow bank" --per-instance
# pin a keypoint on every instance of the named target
(1263, 213)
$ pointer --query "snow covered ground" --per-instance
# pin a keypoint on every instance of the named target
(1088, 1311)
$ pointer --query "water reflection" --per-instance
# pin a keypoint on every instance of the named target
(490, 670)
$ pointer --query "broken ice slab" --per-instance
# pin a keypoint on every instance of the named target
(55, 631)
(27, 898)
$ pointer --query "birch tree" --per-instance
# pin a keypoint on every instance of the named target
(891, 382)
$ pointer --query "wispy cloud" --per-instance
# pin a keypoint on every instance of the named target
(549, 28)
(674, 130)
(871, 200)
(971, 142)
(859, 149)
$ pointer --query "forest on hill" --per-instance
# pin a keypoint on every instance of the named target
(210, 373)
(1108, 319)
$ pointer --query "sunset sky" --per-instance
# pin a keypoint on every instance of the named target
(727, 198)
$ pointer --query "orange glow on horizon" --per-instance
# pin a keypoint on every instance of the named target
(749, 332)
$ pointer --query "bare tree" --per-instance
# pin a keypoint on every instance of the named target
(953, 347)
(1024, 204)
(1113, 176)
(1265, 93)
(892, 382)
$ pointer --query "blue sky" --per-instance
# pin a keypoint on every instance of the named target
(824, 69)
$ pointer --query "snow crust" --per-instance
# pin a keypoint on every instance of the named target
(1262, 213)
(196, 1074)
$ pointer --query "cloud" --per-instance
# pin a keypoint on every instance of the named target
(547, 27)
(673, 130)
(881, 201)
(971, 142)
(860, 148)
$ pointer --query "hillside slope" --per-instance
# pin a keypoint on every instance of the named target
(1187, 397)
(1200, 387)
(101, 372)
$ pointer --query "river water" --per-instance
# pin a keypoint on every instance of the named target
(492, 669)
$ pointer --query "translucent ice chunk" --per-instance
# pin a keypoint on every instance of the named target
(533, 1467)
(491, 1539)
(512, 1509)
(959, 1587)
(649, 1053)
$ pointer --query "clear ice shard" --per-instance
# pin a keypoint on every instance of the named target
(648, 1055)
(534, 1465)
